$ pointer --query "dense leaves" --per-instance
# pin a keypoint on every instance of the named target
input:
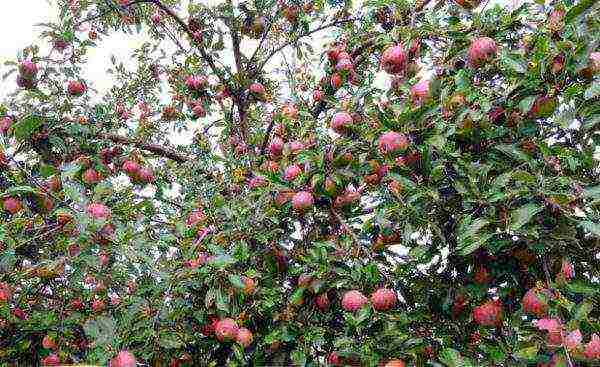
(420, 189)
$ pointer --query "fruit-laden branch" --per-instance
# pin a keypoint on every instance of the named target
(295, 39)
(205, 56)
(330, 91)
(154, 148)
(322, 104)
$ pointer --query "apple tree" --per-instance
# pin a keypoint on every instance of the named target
(304, 182)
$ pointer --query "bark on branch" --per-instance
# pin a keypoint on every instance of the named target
(154, 148)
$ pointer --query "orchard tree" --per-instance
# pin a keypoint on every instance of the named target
(421, 189)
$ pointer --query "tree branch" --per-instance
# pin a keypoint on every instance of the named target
(295, 39)
(154, 148)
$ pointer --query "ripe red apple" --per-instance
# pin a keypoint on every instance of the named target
(146, 175)
(5, 292)
(257, 89)
(270, 166)
(393, 59)
(156, 17)
(318, 95)
(334, 52)
(76, 88)
(276, 147)
(302, 201)
(195, 217)
(292, 172)
(12, 205)
(5, 124)
(98, 306)
(244, 337)
(76, 304)
(51, 360)
(48, 342)
(353, 301)
(534, 302)
(28, 69)
(592, 348)
(249, 285)
(123, 359)
(482, 49)
(91, 176)
(98, 211)
(395, 363)
(336, 81)
(198, 110)
(333, 359)
(341, 121)
(419, 93)
(344, 64)
(594, 62)
(131, 168)
(290, 111)
(488, 313)
(256, 182)
(383, 299)
(226, 329)
(392, 142)
(196, 82)
(567, 272)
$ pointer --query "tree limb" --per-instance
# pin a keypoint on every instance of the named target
(154, 148)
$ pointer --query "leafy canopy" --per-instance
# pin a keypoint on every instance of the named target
(304, 183)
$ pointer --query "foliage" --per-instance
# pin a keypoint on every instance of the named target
(481, 212)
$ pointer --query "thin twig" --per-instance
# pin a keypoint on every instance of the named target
(296, 39)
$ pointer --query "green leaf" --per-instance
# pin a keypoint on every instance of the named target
(299, 358)
(25, 127)
(513, 63)
(582, 287)
(522, 216)
(19, 190)
(593, 91)
(578, 9)
(101, 330)
(582, 310)
(236, 281)
(452, 358)
(512, 151)
(593, 228)
(169, 341)
(469, 236)
(592, 192)
(526, 103)
(437, 141)
(527, 353)
(221, 301)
